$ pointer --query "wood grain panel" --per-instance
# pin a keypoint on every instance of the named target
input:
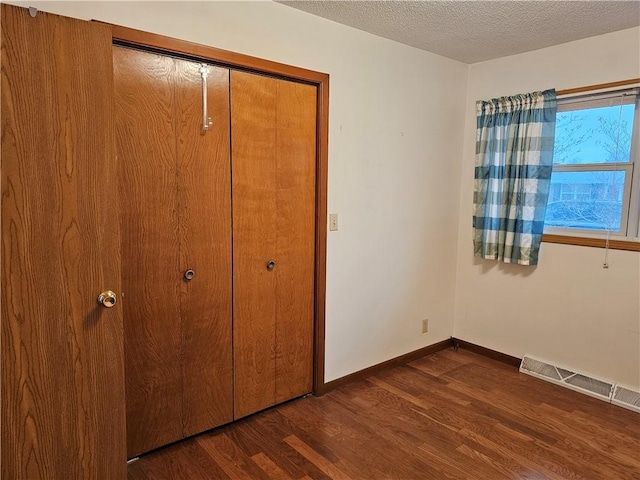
(145, 116)
(254, 182)
(62, 354)
(296, 182)
(204, 186)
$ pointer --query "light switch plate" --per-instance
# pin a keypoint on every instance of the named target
(425, 325)
(333, 222)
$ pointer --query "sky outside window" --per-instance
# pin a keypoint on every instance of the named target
(591, 135)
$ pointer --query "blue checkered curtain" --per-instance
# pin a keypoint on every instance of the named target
(514, 158)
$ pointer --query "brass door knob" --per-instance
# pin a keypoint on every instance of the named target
(107, 299)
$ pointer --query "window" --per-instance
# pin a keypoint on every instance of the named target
(595, 183)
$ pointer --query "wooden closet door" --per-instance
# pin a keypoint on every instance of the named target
(296, 190)
(273, 126)
(175, 186)
(62, 354)
(146, 147)
(204, 198)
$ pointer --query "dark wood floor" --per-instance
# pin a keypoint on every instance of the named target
(453, 415)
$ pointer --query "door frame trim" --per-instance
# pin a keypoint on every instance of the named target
(162, 44)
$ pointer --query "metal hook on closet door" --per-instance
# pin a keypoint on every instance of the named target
(206, 121)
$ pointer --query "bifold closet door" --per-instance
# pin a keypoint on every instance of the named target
(62, 354)
(273, 160)
(175, 204)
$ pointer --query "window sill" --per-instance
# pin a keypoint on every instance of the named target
(592, 242)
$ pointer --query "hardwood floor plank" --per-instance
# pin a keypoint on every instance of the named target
(435, 438)
(478, 424)
(245, 438)
(509, 470)
(548, 456)
(312, 409)
(460, 416)
(517, 416)
(269, 467)
(401, 425)
(182, 461)
(135, 471)
(280, 452)
(307, 432)
(454, 466)
(521, 460)
(272, 447)
(571, 442)
(440, 362)
(271, 424)
(421, 385)
(314, 457)
(588, 431)
(404, 425)
(401, 393)
(230, 457)
(385, 445)
(348, 442)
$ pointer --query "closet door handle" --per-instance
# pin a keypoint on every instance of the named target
(206, 121)
(189, 274)
(271, 265)
(107, 299)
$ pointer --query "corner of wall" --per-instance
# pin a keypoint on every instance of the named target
(462, 217)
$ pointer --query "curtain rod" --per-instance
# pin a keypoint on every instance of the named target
(600, 86)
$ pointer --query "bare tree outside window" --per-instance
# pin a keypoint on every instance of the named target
(585, 193)
(615, 138)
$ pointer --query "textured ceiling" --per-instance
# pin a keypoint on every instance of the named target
(474, 31)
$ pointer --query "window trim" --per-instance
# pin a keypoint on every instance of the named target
(629, 245)
(630, 239)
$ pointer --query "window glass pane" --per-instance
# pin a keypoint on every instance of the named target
(594, 135)
(588, 200)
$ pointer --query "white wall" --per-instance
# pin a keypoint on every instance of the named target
(395, 147)
(568, 310)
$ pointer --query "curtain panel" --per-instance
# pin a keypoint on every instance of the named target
(514, 159)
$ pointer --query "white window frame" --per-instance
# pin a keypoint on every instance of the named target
(630, 221)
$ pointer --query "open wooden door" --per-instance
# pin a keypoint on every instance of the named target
(63, 410)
